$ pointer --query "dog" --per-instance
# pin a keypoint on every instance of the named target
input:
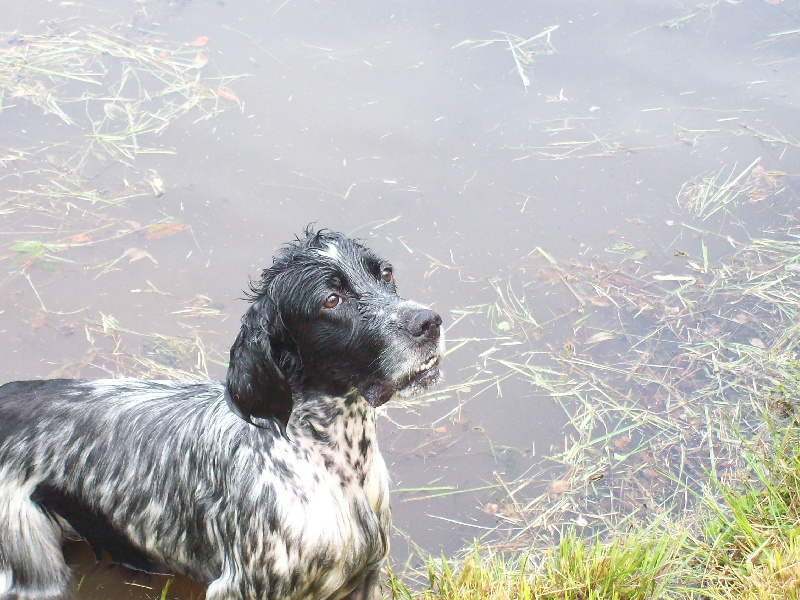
(268, 485)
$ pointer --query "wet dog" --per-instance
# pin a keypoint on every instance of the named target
(269, 485)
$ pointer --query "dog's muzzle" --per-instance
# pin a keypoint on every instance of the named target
(423, 328)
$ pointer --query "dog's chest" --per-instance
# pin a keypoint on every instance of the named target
(334, 505)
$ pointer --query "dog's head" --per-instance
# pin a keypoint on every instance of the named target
(326, 318)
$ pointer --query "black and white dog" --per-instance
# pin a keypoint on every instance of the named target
(267, 486)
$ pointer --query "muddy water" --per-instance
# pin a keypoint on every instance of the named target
(455, 160)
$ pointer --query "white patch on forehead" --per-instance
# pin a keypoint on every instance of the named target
(330, 251)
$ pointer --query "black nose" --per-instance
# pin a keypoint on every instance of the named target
(424, 324)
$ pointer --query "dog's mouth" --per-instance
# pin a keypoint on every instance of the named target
(425, 375)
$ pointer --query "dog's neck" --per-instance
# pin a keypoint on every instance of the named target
(341, 430)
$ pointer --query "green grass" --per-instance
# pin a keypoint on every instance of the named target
(631, 567)
(742, 541)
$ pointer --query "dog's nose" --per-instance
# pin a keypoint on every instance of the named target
(424, 325)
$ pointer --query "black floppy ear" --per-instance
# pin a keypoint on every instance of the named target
(255, 386)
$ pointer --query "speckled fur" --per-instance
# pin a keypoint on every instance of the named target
(269, 485)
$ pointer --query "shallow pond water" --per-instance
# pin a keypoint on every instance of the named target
(465, 141)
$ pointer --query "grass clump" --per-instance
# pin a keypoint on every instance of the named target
(742, 541)
(751, 546)
(630, 567)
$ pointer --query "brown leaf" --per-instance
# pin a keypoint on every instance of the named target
(490, 508)
(559, 486)
(200, 61)
(135, 254)
(39, 319)
(199, 41)
(159, 230)
(156, 183)
(81, 238)
(623, 441)
(227, 94)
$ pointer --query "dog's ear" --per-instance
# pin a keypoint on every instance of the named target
(255, 386)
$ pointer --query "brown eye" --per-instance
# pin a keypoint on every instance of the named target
(332, 301)
(386, 275)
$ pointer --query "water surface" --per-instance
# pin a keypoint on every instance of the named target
(393, 122)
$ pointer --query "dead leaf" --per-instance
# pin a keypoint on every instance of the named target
(559, 486)
(623, 441)
(490, 508)
(80, 238)
(440, 429)
(156, 183)
(159, 230)
(135, 254)
(39, 319)
(113, 111)
(199, 41)
(227, 94)
(597, 301)
(200, 61)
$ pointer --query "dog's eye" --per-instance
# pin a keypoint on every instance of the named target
(386, 275)
(332, 301)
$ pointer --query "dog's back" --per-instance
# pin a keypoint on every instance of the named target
(96, 459)
(71, 451)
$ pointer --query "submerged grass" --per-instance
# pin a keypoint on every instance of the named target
(680, 477)
(523, 49)
(68, 204)
(114, 96)
(660, 375)
(124, 89)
